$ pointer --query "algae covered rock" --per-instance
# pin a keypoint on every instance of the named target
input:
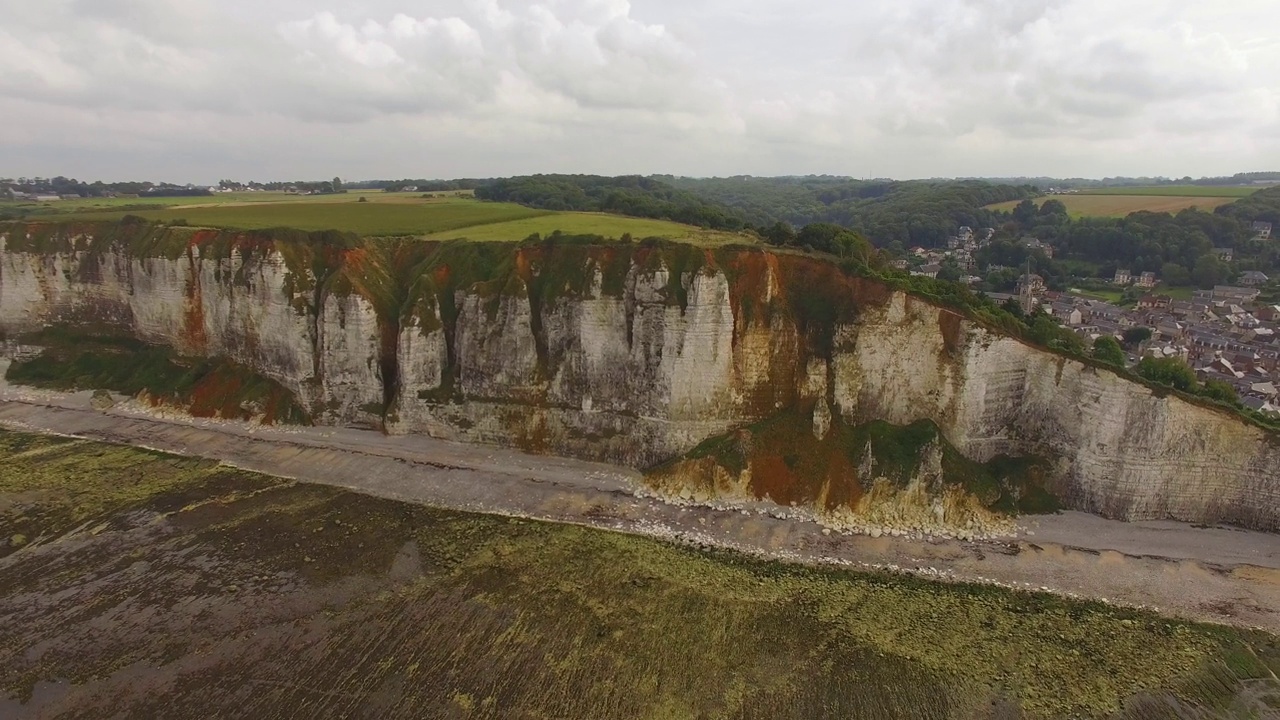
(102, 400)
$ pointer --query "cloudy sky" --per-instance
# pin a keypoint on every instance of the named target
(199, 90)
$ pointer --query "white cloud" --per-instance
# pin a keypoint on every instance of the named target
(473, 87)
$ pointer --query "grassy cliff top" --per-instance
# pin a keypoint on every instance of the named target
(438, 216)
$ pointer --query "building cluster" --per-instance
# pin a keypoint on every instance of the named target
(1223, 334)
(962, 248)
(9, 193)
(1143, 280)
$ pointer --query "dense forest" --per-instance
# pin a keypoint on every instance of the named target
(629, 195)
(923, 213)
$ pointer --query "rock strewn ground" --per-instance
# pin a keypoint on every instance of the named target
(1216, 574)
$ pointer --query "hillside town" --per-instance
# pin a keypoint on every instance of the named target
(1230, 333)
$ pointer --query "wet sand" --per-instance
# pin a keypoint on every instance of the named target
(1216, 574)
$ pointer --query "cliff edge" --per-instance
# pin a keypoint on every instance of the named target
(734, 373)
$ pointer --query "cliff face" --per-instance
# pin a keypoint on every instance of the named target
(638, 354)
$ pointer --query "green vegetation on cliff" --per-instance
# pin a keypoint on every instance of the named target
(791, 466)
(76, 359)
(364, 606)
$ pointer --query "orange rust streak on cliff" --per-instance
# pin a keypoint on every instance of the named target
(193, 312)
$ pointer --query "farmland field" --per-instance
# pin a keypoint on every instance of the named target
(1231, 191)
(439, 217)
(420, 217)
(581, 223)
(1121, 205)
(139, 584)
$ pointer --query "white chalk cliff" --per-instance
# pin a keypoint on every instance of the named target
(626, 371)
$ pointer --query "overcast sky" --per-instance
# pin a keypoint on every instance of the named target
(197, 90)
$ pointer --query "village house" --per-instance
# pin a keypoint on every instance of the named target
(1123, 277)
(1146, 280)
(1166, 350)
(1231, 293)
(1262, 230)
(1171, 330)
(1070, 316)
(1268, 313)
(1260, 405)
(1086, 330)
(1150, 302)
(1253, 278)
(1224, 254)
(1220, 366)
(930, 270)
(965, 260)
(1105, 328)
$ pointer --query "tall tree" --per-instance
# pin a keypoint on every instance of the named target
(1108, 351)
(1209, 271)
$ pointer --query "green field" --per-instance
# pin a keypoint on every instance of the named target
(150, 584)
(438, 216)
(420, 217)
(1121, 205)
(1111, 296)
(1228, 191)
(580, 223)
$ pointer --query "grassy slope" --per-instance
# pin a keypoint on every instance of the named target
(442, 614)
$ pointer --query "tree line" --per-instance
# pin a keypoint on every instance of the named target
(911, 213)
(1182, 248)
(629, 195)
